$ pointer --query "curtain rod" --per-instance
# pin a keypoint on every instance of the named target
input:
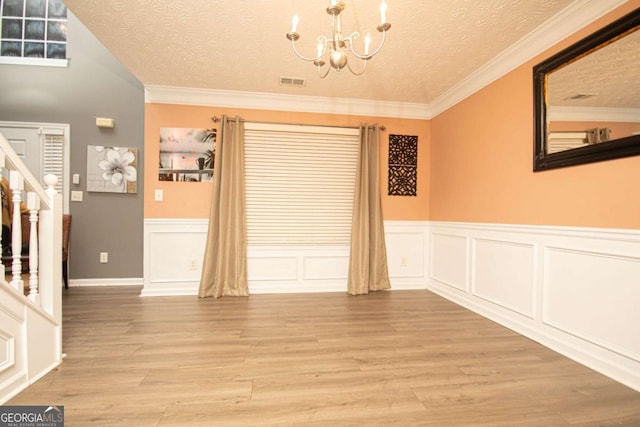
(215, 119)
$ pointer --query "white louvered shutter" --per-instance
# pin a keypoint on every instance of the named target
(299, 184)
(53, 156)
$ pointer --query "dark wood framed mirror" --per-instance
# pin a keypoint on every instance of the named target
(587, 98)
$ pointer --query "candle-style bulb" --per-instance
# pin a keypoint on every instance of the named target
(294, 23)
(383, 12)
(367, 42)
(320, 49)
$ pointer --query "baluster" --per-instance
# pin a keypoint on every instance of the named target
(16, 183)
(33, 203)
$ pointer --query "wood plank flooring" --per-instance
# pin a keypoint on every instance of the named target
(401, 358)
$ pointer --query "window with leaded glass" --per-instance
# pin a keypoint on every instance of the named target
(33, 29)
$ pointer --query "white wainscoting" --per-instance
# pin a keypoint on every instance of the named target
(174, 249)
(29, 342)
(13, 360)
(575, 290)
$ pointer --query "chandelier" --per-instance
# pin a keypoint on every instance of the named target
(339, 46)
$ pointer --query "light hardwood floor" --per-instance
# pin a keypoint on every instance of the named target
(400, 358)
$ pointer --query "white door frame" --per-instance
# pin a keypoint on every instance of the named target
(52, 129)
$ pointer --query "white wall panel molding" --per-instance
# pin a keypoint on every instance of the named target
(273, 267)
(575, 290)
(173, 252)
(7, 350)
(174, 249)
(323, 267)
(503, 273)
(449, 261)
(578, 297)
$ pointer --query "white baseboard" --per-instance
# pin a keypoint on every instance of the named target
(191, 288)
(135, 281)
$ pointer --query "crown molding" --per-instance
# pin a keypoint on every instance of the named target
(571, 19)
(594, 114)
(271, 101)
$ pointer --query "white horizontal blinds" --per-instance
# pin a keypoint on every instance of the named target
(299, 184)
(560, 141)
(53, 156)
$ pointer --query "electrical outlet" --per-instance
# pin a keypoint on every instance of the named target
(104, 257)
(76, 196)
(403, 261)
(159, 195)
(193, 264)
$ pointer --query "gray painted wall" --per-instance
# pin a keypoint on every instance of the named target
(94, 85)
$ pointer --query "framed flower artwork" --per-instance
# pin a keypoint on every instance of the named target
(112, 169)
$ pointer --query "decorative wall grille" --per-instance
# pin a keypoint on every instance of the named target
(403, 165)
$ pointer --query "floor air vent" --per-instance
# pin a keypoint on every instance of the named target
(292, 81)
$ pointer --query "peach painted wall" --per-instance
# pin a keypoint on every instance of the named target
(192, 199)
(482, 163)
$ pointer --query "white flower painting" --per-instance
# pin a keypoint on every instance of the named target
(112, 169)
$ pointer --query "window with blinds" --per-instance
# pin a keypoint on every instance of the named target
(300, 183)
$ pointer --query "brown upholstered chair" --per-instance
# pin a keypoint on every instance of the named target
(7, 259)
(66, 231)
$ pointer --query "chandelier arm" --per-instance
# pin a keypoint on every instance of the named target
(301, 56)
(370, 55)
(364, 67)
(322, 76)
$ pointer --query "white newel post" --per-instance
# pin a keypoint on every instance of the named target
(33, 204)
(50, 252)
(16, 183)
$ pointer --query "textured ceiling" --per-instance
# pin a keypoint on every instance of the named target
(610, 74)
(241, 46)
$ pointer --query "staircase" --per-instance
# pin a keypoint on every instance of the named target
(31, 304)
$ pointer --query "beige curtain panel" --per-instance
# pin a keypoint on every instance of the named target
(224, 269)
(368, 269)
